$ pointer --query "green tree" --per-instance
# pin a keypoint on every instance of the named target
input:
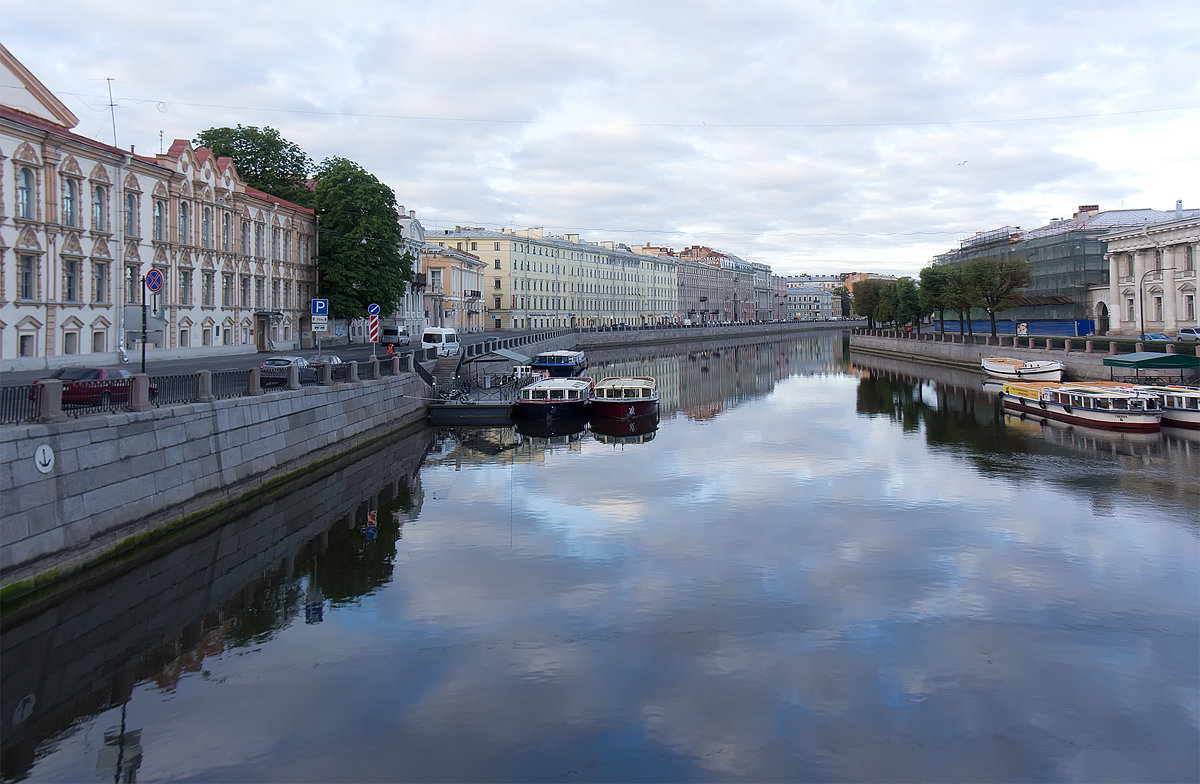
(935, 281)
(264, 160)
(867, 294)
(841, 296)
(959, 297)
(994, 283)
(905, 301)
(359, 262)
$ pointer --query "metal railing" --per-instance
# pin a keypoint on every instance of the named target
(18, 404)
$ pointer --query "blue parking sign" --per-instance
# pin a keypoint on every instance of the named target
(320, 307)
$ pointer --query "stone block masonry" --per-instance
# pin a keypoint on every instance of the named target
(127, 473)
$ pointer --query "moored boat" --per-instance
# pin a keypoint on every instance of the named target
(625, 397)
(1180, 404)
(1022, 369)
(555, 398)
(560, 364)
(1086, 404)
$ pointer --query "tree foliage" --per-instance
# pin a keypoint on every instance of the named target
(264, 160)
(867, 296)
(935, 281)
(359, 262)
(902, 297)
(993, 283)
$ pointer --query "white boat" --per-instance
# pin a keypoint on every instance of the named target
(555, 398)
(1109, 407)
(625, 397)
(1021, 369)
(1180, 404)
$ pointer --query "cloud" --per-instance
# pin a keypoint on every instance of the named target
(814, 137)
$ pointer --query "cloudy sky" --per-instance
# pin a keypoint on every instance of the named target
(815, 137)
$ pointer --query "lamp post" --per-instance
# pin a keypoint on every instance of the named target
(1142, 299)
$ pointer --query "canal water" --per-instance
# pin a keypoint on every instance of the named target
(821, 566)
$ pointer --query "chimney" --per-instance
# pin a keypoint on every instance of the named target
(412, 213)
(1178, 209)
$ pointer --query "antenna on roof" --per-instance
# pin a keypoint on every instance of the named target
(112, 107)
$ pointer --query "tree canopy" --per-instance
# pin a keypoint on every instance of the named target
(867, 296)
(935, 281)
(993, 283)
(359, 259)
(264, 160)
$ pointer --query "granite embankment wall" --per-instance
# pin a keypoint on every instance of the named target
(1083, 359)
(121, 474)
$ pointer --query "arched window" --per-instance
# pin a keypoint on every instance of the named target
(99, 208)
(131, 214)
(160, 220)
(206, 227)
(70, 203)
(25, 193)
(185, 236)
(226, 232)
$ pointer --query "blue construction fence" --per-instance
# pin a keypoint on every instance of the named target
(1066, 328)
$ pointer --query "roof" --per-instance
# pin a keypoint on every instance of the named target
(496, 354)
(1153, 359)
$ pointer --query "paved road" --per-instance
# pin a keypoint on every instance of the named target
(167, 367)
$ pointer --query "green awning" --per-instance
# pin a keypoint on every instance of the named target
(501, 354)
(1154, 360)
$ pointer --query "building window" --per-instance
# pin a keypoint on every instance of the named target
(185, 225)
(27, 345)
(70, 203)
(160, 220)
(287, 293)
(497, 283)
(131, 215)
(99, 208)
(25, 193)
(206, 227)
(245, 238)
(1158, 307)
(100, 281)
(207, 290)
(206, 336)
(227, 290)
(1189, 308)
(275, 295)
(70, 342)
(495, 246)
(1129, 309)
(26, 276)
(497, 307)
(70, 280)
(258, 293)
(1189, 259)
(258, 240)
(287, 246)
(185, 287)
(245, 291)
(226, 232)
(99, 341)
(132, 284)
(275, 244)
(497, 263)
(185, 337)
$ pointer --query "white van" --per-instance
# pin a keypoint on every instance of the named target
(394, 335)
(444, 339)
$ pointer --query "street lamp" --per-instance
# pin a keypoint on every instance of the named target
(1142, 300)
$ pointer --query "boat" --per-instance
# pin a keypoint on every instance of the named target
(560, 364)
(1022, 369)
(1180, 403)
(625, 397)
(470, 412)
(1086, 404)
(553, 398)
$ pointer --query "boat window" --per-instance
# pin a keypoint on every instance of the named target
(1192, 402)
(1102, 402)
(573, 394)
(539, 394)
(556, 394)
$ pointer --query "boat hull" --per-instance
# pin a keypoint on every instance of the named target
(624, 409)
(1115, 420)
(552, 409)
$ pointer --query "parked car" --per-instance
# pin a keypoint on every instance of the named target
(274, 370)
(394, 335)
(325, 359)
(1189, 334)
(1154, 337)
(96, 386)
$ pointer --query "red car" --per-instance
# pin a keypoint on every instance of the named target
(95, 386)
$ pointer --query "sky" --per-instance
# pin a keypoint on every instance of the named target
(815, 137)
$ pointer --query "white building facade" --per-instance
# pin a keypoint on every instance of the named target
(1151, 278)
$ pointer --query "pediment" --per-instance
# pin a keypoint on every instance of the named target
(27, 154)
(100, 174)
(71, 246)
(70, 166)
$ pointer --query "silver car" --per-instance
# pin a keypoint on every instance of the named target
(273, 372)
(1188, 334)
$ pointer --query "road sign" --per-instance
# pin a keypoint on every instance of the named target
(374, 329)
(320, 323)
(373, 309)
(320, 307)
(372, 519)
(154, 280)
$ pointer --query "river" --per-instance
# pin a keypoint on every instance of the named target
(822, 566)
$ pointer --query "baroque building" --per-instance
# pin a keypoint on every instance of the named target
(1151, 279)
(83, 224)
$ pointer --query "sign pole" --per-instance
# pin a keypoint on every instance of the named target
(143, 324)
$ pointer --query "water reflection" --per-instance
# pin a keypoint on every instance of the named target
(819, 568)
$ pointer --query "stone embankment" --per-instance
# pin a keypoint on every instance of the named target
(1082, 358)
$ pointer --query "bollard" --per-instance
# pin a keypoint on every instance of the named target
(353, 370)
(293, 380)
(48, 393)
(1112, 348)
(326, 374)
(254, 382)
(204, 393)
(1089, 347)
(1067, 346)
